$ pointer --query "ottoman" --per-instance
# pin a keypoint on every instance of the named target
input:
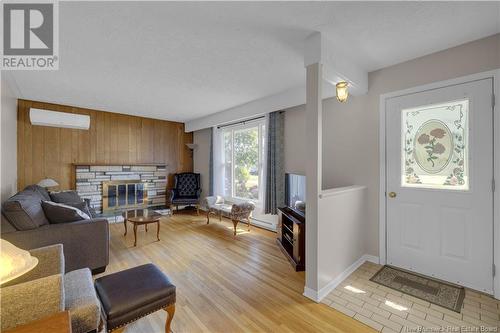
(134, 293)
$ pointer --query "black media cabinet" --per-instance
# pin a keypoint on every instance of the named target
(291, 237)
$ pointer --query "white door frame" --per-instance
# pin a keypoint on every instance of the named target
(495, 75)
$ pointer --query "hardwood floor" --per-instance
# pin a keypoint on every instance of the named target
(224, 284)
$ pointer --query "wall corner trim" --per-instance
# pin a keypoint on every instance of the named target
(317, 296)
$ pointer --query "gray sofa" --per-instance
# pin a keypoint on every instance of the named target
(24, 224)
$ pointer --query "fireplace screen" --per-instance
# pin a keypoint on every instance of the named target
(123, 194)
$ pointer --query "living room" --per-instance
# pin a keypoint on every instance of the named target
(157, 159)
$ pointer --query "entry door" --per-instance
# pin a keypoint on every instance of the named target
(439, 146)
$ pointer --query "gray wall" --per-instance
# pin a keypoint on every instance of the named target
(9, 141)
(201, 157)
(351, 130)
(295, 140)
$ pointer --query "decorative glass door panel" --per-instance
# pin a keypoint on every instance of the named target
(435, 146)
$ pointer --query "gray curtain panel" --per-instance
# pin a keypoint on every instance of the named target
(211, 165)
(275, 180)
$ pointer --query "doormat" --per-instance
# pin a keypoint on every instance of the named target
(428, 289)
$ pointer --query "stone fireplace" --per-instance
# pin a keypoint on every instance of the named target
(118, 187)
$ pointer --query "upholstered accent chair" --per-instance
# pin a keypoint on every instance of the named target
(46, 290)
(187, 190)
(237, 212)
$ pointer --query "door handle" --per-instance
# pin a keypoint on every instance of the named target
(392, 194)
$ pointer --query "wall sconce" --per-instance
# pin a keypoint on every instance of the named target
(192, 147)
(342, 93)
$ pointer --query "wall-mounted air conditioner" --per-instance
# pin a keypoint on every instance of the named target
(41, 117)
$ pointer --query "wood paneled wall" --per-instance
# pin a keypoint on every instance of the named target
(112, 139)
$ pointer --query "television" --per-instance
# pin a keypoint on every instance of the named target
(295, 193)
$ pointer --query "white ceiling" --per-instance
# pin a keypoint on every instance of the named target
(181, 61)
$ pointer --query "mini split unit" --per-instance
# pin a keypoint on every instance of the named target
(49, 118)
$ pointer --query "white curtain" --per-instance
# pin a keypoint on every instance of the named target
(218, 162)
(263, 176)
(218, 179)
(259, 216)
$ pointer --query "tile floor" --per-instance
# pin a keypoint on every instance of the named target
(387, 310)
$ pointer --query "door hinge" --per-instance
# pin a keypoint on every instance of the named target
(494, 270)
(493, 100)
(493, 185)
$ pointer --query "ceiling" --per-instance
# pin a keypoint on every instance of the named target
(184, 60)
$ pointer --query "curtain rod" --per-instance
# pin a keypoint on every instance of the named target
(241, 122)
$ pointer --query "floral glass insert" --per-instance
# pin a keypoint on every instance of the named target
(435, 147)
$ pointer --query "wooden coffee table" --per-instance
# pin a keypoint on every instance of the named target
(141, 217)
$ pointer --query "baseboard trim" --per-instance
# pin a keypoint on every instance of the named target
(311, 294)
(373, 259)
(317, 296)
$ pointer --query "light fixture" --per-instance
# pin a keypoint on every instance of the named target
(14, 262)
(342, 93)
(47, 182)
(192, 147)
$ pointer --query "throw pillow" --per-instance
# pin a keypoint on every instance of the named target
(92, 211)
(24, 210)
(38, 189)
(65, 196)
(81, 206)
(61, 213)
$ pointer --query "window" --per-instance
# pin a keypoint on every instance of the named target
(242, 156)
(435, 146)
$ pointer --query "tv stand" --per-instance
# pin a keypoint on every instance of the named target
(291, 237)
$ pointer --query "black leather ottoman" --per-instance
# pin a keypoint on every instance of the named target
(134, 293)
